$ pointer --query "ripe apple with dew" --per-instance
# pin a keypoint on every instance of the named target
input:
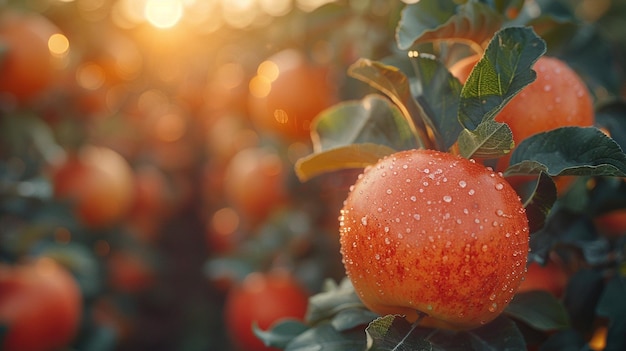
(429, 232)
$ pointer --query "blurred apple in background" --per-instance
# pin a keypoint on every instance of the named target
(99, 184)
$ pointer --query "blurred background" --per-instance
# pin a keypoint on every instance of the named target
(139, 148)
(147, 147)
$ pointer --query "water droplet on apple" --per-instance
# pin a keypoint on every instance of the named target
(493, 307)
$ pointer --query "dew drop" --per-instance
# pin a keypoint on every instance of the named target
(493, 307)
(405, 166)
(386, 229)
(377, 256)
(462, 183)
(484, 248)
(471, 192)
(499, 186)
(417, 216)
(547, 87)
(387, 241)
(447, 198)
(414, 198)
(400, 236)
(364, 220)
(380, 209)
(389, 191)
(384, 174)
(426, 170)
(431, 238)
(492, 297)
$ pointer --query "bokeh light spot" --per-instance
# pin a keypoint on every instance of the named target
(260, 86)
(163, 13)
(59, 45)
(90, 76)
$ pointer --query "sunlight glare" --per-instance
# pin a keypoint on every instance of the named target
(163, 13)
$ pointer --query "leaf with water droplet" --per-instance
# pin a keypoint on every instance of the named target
(581, 151)
(429, 20)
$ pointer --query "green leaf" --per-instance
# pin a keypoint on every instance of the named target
(374, 119)
(326, 338)
(280, 334)
(612, 116)
(349, 318)
(430, 20)
(539, 309)
(437, 93)
(540, 202)
(390, 81)
(393, 332)
(336, 298)
(490, 139)
(613, 306)
(344, 157)
(502, 72)
(582, 151)
(500, 334)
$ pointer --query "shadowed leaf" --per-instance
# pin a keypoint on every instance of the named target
(429, 20)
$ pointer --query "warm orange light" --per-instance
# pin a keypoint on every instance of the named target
(163, 13)
(598, 339)
(170, 127)
(90, 76)
(260, 86)
(269, 70)
(239, 13)
(230, 75)
(275, 8)
(59, 45)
